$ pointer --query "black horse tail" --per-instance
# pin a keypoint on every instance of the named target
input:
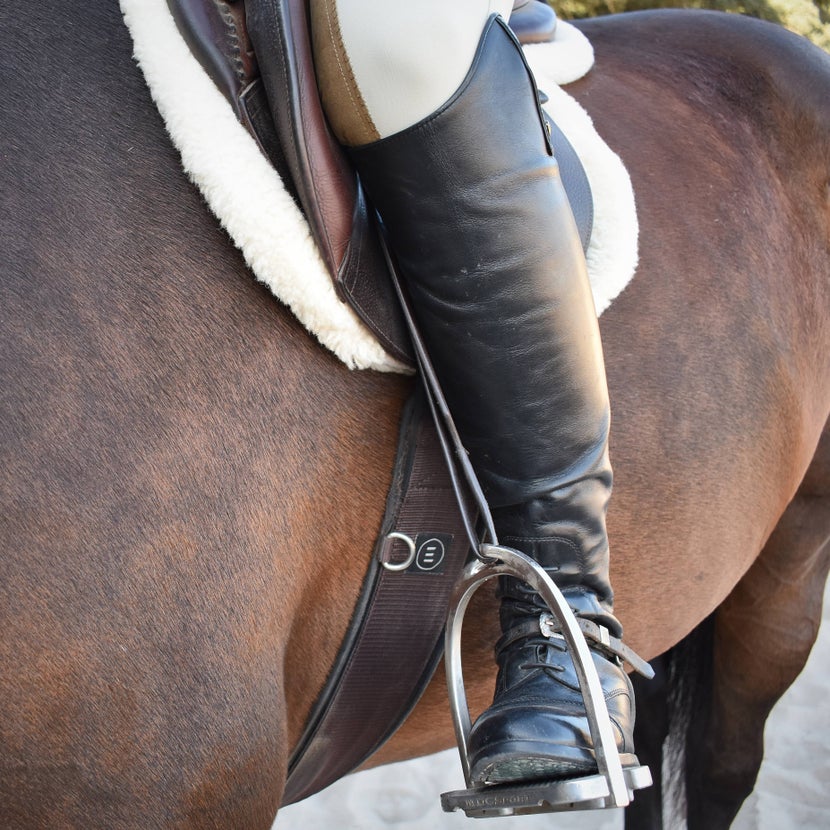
(672, 719)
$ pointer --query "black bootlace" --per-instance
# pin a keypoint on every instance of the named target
(530, 605)
(544, 665)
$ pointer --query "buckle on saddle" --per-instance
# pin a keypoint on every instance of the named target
(611, 786)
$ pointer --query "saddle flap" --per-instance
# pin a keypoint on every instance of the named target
(324, 181)
(291, 130)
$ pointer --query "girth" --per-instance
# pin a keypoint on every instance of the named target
(395, 638)
(248, 66)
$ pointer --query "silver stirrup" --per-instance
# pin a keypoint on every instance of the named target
(612, 786)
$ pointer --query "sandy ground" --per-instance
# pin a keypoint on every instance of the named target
(792, 791)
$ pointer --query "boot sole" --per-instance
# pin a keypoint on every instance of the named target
(515, 766)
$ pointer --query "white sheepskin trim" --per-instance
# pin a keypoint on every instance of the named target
(242, 189)
(612, 254)
(568, 58)
(250, 201)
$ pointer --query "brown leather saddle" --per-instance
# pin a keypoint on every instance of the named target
(258, 53)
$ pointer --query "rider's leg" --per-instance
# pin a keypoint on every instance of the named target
(383, 66)
(453, 152)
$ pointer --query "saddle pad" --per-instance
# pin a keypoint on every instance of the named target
(247, 196)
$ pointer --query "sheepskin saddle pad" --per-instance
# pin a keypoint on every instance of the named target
(256, 206)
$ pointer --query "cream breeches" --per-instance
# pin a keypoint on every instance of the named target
(383, 65)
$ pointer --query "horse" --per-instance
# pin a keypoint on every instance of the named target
(191, 486)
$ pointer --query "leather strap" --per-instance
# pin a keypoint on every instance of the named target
(605, 641)
(327, 187)
(601, 639)
(396, 637)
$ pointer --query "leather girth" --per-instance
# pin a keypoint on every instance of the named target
(395, 639)
(250, 49)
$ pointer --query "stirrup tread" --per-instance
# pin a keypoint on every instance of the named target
(589, 792)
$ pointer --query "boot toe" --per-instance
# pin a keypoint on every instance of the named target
(538, 729)
(525, 743)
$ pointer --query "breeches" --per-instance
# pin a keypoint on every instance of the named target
(383, 65)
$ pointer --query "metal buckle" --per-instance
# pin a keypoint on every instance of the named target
(398, 566)
(604, 636)
(548, 627)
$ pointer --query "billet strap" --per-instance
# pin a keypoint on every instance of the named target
(395, 639)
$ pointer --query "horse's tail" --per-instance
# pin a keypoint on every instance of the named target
(691, 673)
(673, 712)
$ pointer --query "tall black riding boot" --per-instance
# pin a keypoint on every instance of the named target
(480, 225)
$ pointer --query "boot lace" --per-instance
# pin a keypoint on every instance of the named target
(542, 662)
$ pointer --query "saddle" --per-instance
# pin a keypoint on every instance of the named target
(248, 64)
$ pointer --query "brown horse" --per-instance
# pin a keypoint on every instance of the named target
(190, 487)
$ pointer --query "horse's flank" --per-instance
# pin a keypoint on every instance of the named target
(190, 487)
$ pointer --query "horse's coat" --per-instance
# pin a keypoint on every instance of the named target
(188, 483)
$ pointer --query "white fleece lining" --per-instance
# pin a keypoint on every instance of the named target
(242, 188)
(249, 199)
(567, 59)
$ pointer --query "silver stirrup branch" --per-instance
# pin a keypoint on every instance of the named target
(611, 786)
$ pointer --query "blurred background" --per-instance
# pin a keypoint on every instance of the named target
(810, 18)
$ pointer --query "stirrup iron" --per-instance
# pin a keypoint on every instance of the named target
(611, 786)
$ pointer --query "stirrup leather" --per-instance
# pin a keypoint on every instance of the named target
(612, 785)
